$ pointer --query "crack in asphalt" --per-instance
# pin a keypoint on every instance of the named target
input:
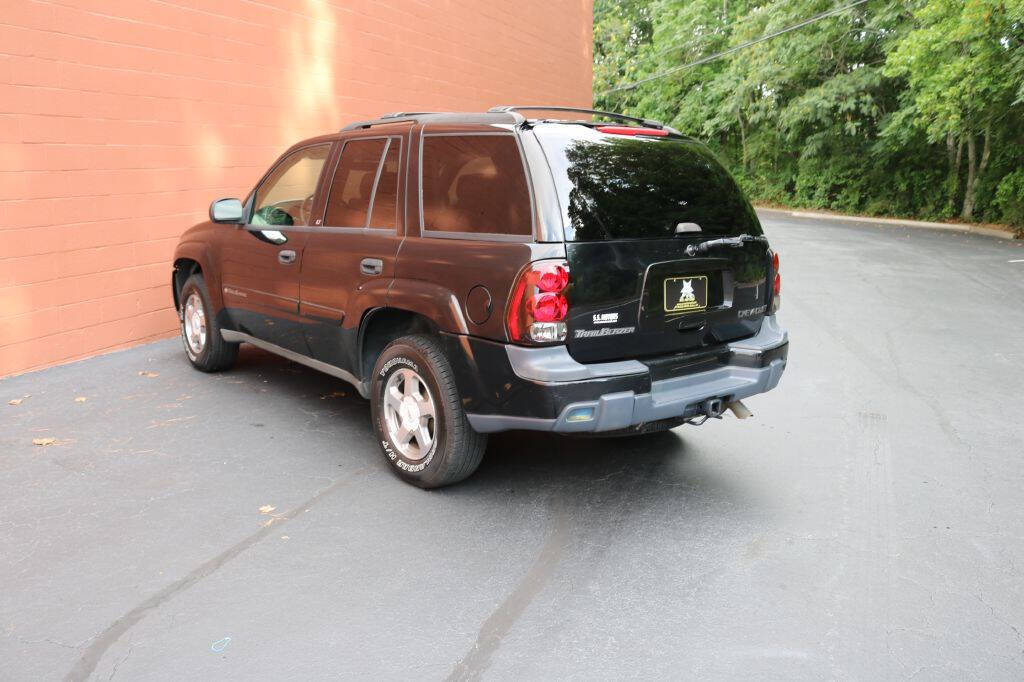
(551, 555)
(91, 657)
(505, 616)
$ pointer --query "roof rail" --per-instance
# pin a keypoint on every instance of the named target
(423, 116)
(397, 117)
(407, 114)
(609, 114)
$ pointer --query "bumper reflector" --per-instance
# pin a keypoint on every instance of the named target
(580, 414)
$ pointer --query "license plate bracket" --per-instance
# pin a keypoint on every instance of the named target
(687, 294)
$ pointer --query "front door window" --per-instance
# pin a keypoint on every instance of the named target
(286, 197)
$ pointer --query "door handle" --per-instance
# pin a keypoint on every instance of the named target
(371, 266)
(286, 257)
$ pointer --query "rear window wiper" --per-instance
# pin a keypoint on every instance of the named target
(734, 242)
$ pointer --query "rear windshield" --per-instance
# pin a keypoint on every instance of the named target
(620, 187)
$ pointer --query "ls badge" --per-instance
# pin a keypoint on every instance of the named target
(686, 294)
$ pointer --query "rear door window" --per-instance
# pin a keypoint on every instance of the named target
(367, 166)
(474, 184)
(385, 196)
(622, 187)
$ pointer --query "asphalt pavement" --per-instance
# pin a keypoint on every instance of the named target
(866, 524)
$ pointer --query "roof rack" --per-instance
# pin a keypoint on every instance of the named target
(434, 116)
(407, 114)
(597, 112)
(397, 117)
(512, 111)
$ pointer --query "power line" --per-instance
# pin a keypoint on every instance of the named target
(710, 58)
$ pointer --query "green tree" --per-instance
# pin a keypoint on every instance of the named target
(886, 107)
(620, 30)
(960, 85)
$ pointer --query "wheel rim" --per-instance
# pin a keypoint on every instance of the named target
(194, 323)
(409, 413)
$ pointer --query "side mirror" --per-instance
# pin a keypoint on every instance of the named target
(226, 211)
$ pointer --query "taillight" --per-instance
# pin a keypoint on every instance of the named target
(776, 284)
(538, 307)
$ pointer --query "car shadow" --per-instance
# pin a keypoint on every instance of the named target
(651, 468)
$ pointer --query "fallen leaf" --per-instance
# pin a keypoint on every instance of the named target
(16, 401)
(336, 394)
(81, 399)
(266, 509)
(168, 422)
(43, 441)
(149, 374)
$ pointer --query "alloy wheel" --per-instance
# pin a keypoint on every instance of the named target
(194, 323)
(410, 414)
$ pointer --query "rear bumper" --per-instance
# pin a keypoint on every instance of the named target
(544, 389)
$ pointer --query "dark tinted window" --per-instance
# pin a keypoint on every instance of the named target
(385, 198)
(475, 183)
(349, 200)
(618, 187)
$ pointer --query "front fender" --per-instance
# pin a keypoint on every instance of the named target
(201, 252)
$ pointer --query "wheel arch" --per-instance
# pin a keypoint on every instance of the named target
(183, 269)
(380, 326)
(191, 258)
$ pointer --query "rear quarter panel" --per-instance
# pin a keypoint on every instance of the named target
(435, 275)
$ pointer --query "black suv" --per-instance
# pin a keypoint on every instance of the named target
(479, 272)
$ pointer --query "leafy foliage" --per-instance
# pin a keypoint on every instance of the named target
(890, 107)
(1010, 198)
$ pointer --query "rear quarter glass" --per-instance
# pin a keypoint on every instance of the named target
(627, 187)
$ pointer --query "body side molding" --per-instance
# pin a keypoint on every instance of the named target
(240, 337)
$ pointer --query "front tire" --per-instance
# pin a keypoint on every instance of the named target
(418, 417)
(200, 332)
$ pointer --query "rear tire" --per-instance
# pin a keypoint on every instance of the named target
(200, 332)
(418, 416)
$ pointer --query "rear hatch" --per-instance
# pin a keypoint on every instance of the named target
(631, 205)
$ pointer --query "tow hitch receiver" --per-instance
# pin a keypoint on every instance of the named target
(713, 408)
(709, 409)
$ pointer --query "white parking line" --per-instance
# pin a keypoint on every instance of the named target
(1019, 260)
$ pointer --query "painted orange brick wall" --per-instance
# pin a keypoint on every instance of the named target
(120, 120)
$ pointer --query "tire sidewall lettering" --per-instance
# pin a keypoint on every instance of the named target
(392, 454)
(398, 360)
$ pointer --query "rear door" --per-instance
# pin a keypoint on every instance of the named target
(350, 256)
(631, 205)
(260, 261)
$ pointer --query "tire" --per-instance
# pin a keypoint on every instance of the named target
(411, 379)
(200, 333)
